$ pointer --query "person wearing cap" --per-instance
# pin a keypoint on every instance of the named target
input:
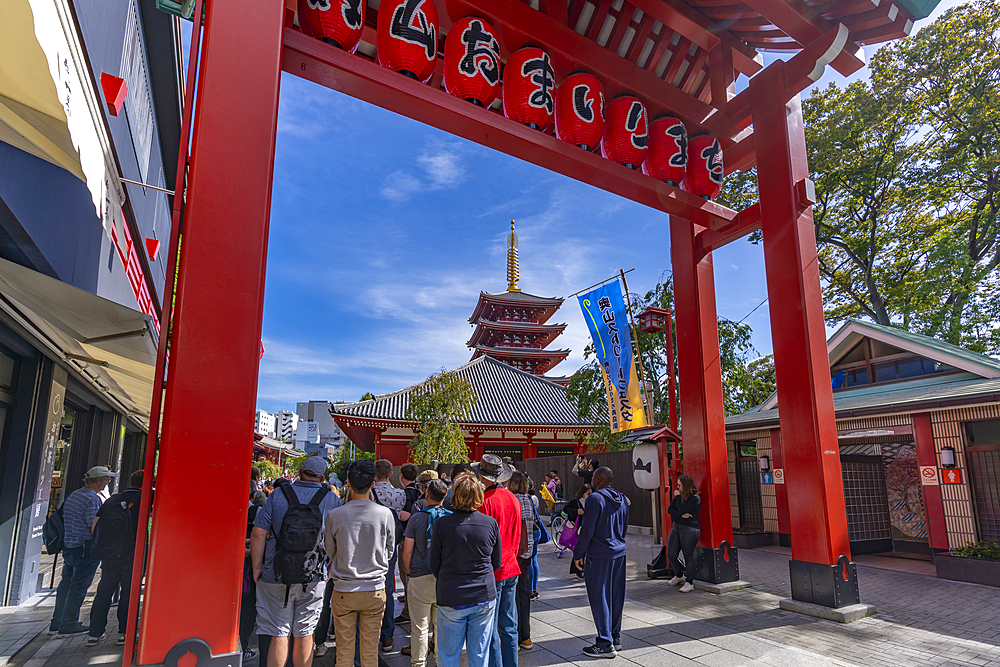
(285, 612)
(423, 479)
(79, 567)
(501, 504)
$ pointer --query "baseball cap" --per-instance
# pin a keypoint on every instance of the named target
(315, 466)
(427, 476)
(99, 471)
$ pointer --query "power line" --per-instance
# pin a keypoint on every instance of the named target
(753, 311)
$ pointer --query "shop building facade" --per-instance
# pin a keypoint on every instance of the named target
(918, 424)
(90, 95)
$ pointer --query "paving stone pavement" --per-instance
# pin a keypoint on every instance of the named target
(920, 621)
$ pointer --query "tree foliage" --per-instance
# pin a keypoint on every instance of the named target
(344, 459)
(746, 379)
(437, 405)
(907, 173)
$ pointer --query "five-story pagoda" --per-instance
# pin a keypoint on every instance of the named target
(511, 326)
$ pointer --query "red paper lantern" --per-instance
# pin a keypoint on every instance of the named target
(580, 110)
(668, 155)
(407, 37)
(626, 132)
(337, 22)
(704, 174)
(529, 86)
(472, 61)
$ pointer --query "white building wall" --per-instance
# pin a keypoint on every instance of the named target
(319, 412)
(265, 423)
(287, 423)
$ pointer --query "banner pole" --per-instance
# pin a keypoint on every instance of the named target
(647, 401)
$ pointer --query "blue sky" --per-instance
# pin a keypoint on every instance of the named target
(384, 231)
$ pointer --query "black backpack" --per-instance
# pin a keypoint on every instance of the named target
(299, 551)
(54, 532)
(114, 536)
(559, 490)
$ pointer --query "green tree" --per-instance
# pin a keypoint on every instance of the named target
(268, 470)
(437, 405)
(344, 459)
(907, 173)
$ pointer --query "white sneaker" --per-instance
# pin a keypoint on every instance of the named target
(320, 650)
(676, 581)
(687, 587)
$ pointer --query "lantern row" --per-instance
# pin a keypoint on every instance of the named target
(407, 40)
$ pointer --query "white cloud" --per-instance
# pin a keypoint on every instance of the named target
(442, 169)
(399, 185)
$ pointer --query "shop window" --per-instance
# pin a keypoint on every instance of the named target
(60, 466)
(984, 432)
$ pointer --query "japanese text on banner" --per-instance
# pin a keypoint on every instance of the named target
(604, 311)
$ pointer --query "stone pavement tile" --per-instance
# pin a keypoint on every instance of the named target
(744, 645)
(645, 632)
(726, 659)
(690, 649)
(663, 659)
(782, 657)
(696, 629)
(569, 648)
(634, 647)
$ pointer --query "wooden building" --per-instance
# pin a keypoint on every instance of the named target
(918, 424)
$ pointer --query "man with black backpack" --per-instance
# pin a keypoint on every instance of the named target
(288, 556)
(114, 544)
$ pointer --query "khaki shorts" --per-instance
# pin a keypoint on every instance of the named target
(298, 618)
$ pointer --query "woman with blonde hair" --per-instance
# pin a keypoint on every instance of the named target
(464, 553)
(684, 535)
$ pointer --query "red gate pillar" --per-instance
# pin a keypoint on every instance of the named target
(193, 581)
(702, 410)
(821, 570)
(923, 438)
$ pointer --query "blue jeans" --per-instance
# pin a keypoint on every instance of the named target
(77, 576)
(503, 647)
(389, 617)
(537, 535)
(471, 627)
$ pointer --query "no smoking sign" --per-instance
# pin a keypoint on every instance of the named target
(928, 476)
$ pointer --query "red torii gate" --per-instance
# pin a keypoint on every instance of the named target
(193, 580)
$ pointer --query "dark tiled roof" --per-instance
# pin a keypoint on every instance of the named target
(522, 297)
(941, 391)
(506, 396)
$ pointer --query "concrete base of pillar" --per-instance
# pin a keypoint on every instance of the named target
(725, 587)
(851, 612)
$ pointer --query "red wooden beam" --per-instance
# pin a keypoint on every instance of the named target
(747, 221)
(519, 25)
(899, 28)
(358, 77)
(740, 156)
(805, 25)
(703, 31)
(639, 39)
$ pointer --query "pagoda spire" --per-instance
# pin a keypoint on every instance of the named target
(513, 269)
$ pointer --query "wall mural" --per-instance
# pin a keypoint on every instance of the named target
(902, 481)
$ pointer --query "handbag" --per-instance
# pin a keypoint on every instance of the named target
(522, 549)
(545, 537)
(568, 537)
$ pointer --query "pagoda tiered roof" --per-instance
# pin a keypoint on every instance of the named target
(546, 332)
(543, 308)
(547, 359)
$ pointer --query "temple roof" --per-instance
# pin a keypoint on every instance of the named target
(522, 299)
(507, 396)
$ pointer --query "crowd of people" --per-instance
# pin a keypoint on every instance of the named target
(322, 556)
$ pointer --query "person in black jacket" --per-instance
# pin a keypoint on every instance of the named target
(464, 553)
(685, 533)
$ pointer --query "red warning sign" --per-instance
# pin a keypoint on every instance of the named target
(951, 476)
(928, 476)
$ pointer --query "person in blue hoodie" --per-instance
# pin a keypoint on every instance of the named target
(602, 543)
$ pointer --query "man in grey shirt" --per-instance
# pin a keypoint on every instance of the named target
(360, 541)
(421, 588)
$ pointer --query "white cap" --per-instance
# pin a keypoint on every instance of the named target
(98, 472)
